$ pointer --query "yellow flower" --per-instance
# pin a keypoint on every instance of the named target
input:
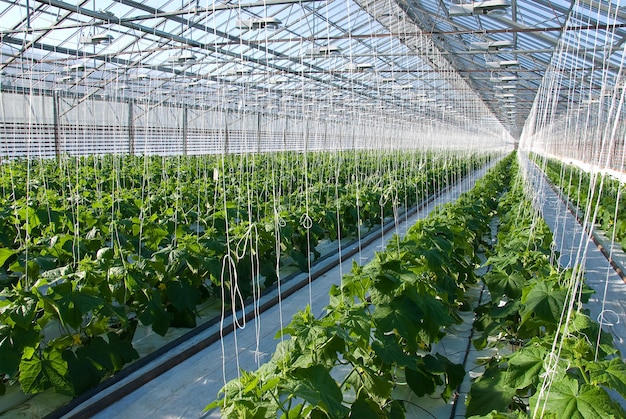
(76, 340)
(162, 286)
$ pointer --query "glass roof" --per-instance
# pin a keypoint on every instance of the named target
(426, 58)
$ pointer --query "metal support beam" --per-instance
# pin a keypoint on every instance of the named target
(210, 47)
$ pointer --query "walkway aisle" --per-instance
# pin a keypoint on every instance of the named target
(571, 240)
(185, 390)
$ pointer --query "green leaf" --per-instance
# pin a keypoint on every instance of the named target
(421, 382)
(454, 373)
(611, 374)
(372, 382)
(21, 308)
(184, 297)
(96, 351)
(317, 387)
(5, 253)
(502, 283)
(389, 351)
(543, 302)
(152, 312)
(499, 415)
(397, 410)
(121, 351)
(386, 283)
(490, 392)
(43, 371)
(568, 399)
(583, 326)
(298, 411)
(357, 322)
(12, 344)
(363, 408)
(82, 373)
(403, 316)
(72, 304)
(525, 367)
(435, 315)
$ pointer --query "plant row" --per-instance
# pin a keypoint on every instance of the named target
(378, 329)
(92, 247)
(552, 359)
(591, 193)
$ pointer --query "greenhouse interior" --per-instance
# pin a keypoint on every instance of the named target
(312, 209)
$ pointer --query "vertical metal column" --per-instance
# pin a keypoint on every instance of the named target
(185, 129)
(306, 136)
(258, 132)
(285, 134)
(353, 138)
(131, 127)
(225, 134)
(57, 128)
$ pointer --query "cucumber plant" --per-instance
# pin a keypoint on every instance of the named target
(562, 362)
(379, 326)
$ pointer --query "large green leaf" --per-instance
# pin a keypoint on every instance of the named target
(5, 253)
(490, 392)
(44, 370)
(396, 410)
(386, 282)
(544, 303)
(432, 371)
(403, 316)
(583, 326)
(72, 304)
(184, 297)
(501, 283)
(421, 382)
(611, 374)
(499, 415)
(18, 308)
(153, 313)
(374, 383)
(454, 374)
(567, 398)
(363, 408)
(315, 385)
(388, 349)
(435, 315)
(12, 344)
(82, 373)
(357, 322)
(525, 367)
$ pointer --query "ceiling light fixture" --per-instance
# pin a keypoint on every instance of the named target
(487, 7)
(259, 23)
